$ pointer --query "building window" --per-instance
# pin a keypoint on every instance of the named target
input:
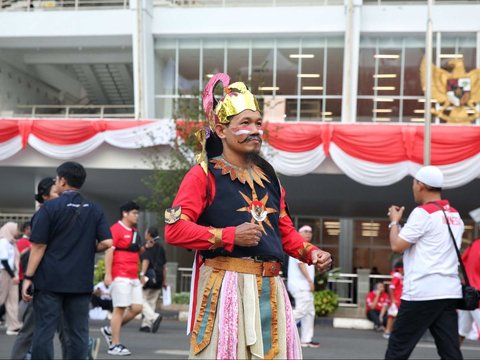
(326, 232)
(389, 86)
(371, 246)
(294, 79)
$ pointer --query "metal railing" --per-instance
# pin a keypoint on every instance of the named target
(184, 279)
(76, 111)
(345, 285)
(32, 5)
(15, 217)
(274, 3)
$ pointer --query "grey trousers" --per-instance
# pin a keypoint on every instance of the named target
(23, 341)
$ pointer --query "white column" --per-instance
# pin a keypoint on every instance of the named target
(350, 61)
(143, 59)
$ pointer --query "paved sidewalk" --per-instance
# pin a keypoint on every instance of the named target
(170, 342)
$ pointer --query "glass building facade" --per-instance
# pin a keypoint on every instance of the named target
(301, 78)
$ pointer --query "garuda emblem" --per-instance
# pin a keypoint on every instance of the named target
(456, 91)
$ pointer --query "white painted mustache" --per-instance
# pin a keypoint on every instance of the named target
(247, 132)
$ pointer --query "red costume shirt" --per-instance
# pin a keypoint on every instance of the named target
(471, 261)
(192, 197)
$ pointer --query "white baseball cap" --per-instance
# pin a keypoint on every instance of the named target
(305, 228)
(431, 176)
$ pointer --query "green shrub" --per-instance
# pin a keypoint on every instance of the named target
(181, 298)
(326, 302)
(99, 272)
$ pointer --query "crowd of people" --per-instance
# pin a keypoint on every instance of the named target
(231, 209)
(51, 266)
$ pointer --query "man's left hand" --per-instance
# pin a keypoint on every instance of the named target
(322, 260)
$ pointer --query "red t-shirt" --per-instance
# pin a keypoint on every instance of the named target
(125, 263)
(397, 286)
(22, 244)
(382, 300)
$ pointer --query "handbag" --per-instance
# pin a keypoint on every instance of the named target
(152, 279)
(470, 295)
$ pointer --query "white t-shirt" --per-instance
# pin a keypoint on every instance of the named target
(296, 281)
(105, 292)
(431, 263)
(7, 252)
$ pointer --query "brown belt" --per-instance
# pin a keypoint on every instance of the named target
(245, 266)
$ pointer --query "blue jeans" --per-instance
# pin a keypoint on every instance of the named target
(48, 308)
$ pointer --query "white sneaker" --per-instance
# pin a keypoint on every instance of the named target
(13, 332)
(107, 334)
(118, 349)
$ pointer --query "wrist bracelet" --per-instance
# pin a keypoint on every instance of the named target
(392, 223)
(28, 277)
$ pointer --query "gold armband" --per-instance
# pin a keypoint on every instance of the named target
(216, 239)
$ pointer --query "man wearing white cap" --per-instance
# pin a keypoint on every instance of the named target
(431, 282)
(301, 285)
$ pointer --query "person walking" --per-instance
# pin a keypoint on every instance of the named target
(121, 274)
(66, 233)
(46, 190)
(471, 261)
(9, 266)
(154, 270)
(23, 246)
(432, 285)
(231, 209)
(301, 284)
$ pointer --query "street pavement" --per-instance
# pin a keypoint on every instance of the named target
(170, 342)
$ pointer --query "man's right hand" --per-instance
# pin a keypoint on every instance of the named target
(107, 280)
(26, 296)
(248, 234)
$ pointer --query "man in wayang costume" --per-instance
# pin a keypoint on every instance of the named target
(231, 209)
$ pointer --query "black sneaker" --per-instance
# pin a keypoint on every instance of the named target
(156, 323)
(107, 334)
(145, 329)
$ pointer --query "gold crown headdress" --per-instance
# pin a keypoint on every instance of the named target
(236, 99)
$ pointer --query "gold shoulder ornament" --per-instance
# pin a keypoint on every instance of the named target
(172, 215)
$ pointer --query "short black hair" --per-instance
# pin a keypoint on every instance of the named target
(432, 189)
(73, 172)
(43, 188)
(25, 225)
(153, 231)
(128, 206)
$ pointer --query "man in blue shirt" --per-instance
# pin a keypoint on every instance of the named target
(66, 233)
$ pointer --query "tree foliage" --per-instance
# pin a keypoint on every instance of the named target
(168, 171)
